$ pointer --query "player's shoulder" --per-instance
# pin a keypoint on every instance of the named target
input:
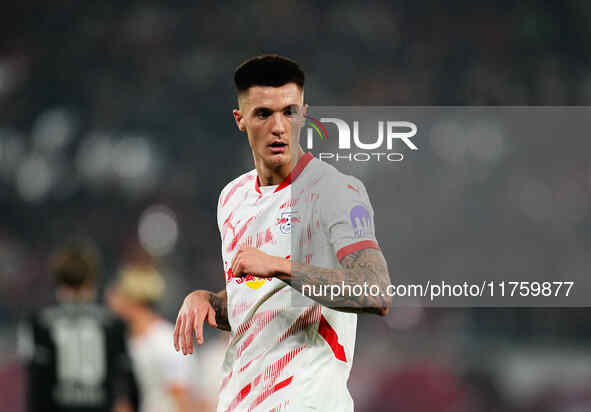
(159, 336)
(164, 328)
(236, 184)
(105, 316)
(31, 318)
(328, 179)
(47, 315)
(250, 175)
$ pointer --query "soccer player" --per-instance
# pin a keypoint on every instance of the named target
(75, 349)
(292, 224)
(163, 375)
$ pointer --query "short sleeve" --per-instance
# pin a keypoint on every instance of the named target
(347, 216)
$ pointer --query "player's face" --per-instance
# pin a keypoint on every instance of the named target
(268, 114)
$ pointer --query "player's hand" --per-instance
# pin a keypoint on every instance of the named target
(252, 261)
(195, 309)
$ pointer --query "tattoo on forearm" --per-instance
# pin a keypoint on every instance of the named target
(219, 302)
(365, 267)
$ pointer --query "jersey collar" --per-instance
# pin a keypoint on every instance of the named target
(299, 167)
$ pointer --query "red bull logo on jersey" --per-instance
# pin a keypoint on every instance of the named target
(255, 282)
(251, 281)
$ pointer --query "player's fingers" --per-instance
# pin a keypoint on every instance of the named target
(180, 340)
(187, 333)
(175, 335)
(198, 326)
(240, 266)
(234, 259)
(235, 266)
(211, 317)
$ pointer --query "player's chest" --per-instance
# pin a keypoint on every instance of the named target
(270, 223)
(264, 223)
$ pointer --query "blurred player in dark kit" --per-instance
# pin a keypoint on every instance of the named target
(75, 349)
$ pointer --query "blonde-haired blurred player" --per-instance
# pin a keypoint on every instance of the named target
(163, 375)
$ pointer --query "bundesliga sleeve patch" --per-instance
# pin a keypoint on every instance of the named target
(361, 222)
(348, 215)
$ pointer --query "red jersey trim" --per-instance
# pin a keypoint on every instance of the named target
(257, 186)
(356, 247)
(297, 170)
(331, 337)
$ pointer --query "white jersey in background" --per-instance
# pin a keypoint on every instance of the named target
(157, 367)
(287, 352)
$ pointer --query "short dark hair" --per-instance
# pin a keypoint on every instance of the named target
(267, 70)
(75, 266)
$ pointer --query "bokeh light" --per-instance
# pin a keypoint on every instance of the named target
(158, 230)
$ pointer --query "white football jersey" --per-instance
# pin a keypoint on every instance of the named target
(157, 366)
(287, 352)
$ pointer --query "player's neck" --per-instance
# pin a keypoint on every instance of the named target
(141, 322)
(274, 176)
(73, 295)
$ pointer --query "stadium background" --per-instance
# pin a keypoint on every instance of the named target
(115, 123)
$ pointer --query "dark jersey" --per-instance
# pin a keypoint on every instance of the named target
(77, 359)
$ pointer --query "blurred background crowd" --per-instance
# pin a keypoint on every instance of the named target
(115, 124)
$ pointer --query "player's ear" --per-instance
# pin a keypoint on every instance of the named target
(239, 119)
